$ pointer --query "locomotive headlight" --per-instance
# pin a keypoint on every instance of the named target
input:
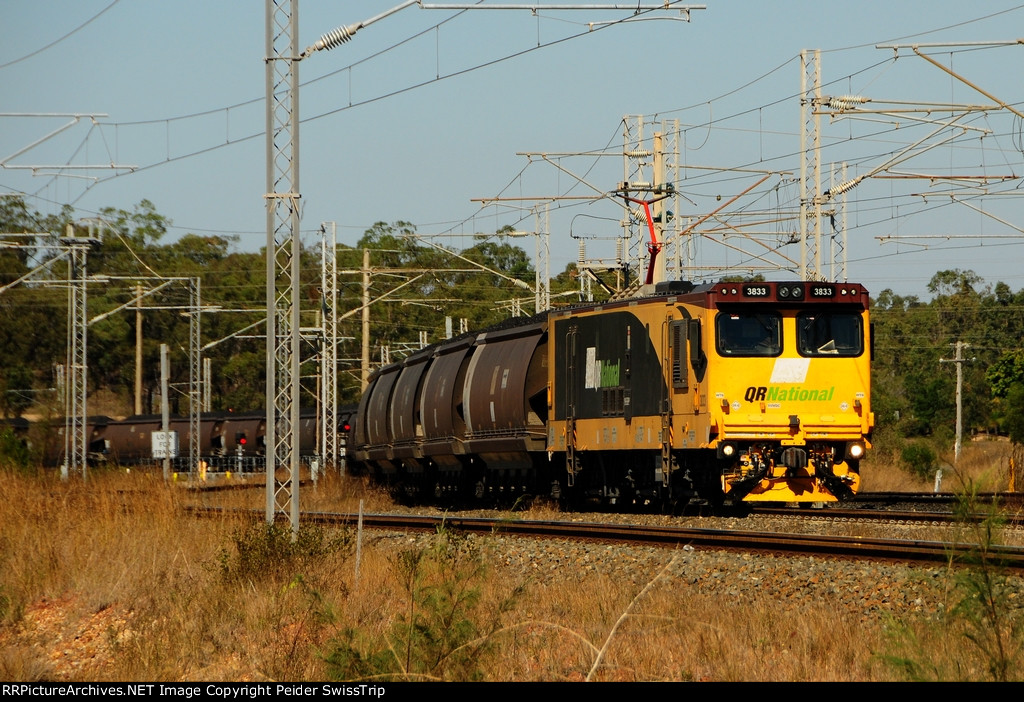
(794, 292)
(726, 450)
(855, 450)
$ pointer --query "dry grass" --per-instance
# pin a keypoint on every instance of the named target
(985, 464)
(113, 580)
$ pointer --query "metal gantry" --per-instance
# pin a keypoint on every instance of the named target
(76, 440)
(193, 310)
(810, 164)
(283, 249)
(329, 348)
(72, 381)
(636, 156)
(648, 185)
(194, 370)
(282, 194)
(838, 248)
(680, 247)
(542, 268)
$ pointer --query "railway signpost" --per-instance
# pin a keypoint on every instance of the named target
(165, 444)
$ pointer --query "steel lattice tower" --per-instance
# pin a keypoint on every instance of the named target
(283, 247)
(329, 349)
(76, 442)
(194, 366)
(810, 164)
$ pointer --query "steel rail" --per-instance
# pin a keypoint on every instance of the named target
(901, 550)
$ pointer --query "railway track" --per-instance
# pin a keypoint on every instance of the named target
(897, 516)
(945, 500)
(875, 507)
(896, 550)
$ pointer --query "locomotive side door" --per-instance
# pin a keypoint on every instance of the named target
(685, 373)
(676, 382)
(572, 383)
(698, 360)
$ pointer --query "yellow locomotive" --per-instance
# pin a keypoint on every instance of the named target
(740, 391)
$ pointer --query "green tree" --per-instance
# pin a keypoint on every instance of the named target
(914, 393)
(414, 286)
(32, 316)
(1006, 372)
(1006, 378)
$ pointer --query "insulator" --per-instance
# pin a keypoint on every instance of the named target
(843, 187)
(845, 102)
(638, 153)
(335, 37)
(640, 215)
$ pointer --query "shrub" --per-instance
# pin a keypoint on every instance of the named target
(981, 635)
(919, 459)
(443, 628)
(14, 453)
(268, 550)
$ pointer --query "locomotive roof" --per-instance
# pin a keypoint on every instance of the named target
(667, 289)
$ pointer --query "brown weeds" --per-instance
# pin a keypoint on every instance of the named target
(113, 580)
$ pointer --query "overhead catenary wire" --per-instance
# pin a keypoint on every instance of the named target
(57, 41)
(712, 124)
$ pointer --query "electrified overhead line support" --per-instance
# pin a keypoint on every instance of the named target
(647, 171)
(76, 439)
(283, 247)
(193, 309)
(57, 169)
(810, 164)
(947, 130)
(652, 165)
(282, 195)
(329, 452)
(75, 385)
(73, 382)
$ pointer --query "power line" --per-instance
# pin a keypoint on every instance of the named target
(58, 41)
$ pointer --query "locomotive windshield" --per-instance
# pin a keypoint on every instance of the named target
(749, 334)
(829, 334)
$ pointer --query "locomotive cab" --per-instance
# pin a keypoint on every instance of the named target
(789, 373)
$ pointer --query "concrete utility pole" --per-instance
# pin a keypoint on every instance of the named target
(959, 360)
(138, 349)
(165, 421)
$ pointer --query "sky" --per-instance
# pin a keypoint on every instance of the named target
(439, 118)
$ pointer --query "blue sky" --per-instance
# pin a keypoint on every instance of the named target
(427, 110)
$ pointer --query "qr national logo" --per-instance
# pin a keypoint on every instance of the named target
(794, 393)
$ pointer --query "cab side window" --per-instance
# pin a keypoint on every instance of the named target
(829, 334)
(748, 334)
